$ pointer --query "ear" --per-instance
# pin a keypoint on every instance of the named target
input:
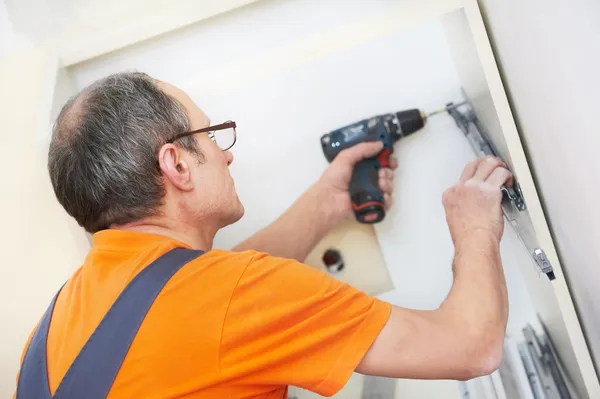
(174, 168)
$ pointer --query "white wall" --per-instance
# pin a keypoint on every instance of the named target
(282, 114)
(306, 100)
(549, 54)
(274, 165)
(40, 247)
(184, 56)
(9, 40)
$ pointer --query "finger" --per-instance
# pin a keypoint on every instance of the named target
(393, 162)
(485, 168)
(361, 151)
(385, 185)
(386, 173)
(389, 173)
(500, 177)
(388, 201)
(470, 169)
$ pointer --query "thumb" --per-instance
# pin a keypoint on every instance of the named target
(361, 151)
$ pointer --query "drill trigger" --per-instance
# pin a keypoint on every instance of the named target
(384, 158)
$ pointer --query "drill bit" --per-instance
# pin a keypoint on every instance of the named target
(447, 108)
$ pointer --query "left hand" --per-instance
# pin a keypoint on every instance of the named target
(336, 178)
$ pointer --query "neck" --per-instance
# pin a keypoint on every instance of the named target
(199, 236)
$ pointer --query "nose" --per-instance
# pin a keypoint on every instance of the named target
(228, 157)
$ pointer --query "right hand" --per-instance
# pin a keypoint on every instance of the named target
(473, 205)
(336, 178)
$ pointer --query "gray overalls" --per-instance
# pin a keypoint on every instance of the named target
(95, 368)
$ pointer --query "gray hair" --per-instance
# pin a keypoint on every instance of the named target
(103, 154)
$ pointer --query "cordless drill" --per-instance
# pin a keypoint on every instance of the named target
(365, 194)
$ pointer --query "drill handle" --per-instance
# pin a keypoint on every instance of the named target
(365, 194)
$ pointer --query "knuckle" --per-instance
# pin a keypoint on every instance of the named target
(447, 196)
(471, 183)
(487, 187)
(492, 161)
(492, 192)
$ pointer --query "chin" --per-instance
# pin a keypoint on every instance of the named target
(240, 213)
(236, 214)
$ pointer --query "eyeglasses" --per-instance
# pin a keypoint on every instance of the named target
(224, 135)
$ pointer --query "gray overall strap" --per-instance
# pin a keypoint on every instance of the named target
(33, 377)
(95, 368)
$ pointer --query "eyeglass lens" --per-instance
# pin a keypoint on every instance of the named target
(225, 138)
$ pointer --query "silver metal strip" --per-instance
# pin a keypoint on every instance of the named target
(513, 203)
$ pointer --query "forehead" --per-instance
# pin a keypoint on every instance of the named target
(198, 119)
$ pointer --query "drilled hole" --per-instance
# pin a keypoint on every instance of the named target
(333, 260)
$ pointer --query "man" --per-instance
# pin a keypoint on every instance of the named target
(251, 321)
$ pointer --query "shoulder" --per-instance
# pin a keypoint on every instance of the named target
(229, 265)
(244, 259)
(217, 263)
(269, 276)
(223, 256)
(251, 269)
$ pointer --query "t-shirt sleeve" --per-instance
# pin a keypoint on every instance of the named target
(288, 323)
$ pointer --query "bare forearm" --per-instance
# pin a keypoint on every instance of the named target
(462, 339)
(478, 300)
(295, 233)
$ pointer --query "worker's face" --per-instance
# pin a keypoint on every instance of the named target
(207, 189)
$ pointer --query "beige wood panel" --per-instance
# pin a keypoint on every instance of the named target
(364, 267)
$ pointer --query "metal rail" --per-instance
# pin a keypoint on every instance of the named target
(513, 203)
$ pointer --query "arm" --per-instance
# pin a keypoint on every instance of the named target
(463, 338)
(295, 233)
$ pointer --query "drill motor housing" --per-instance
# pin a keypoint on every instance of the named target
(365, 194)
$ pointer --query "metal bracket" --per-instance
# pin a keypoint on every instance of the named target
(513, 203)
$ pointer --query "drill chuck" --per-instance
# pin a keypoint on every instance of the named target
(409, 121)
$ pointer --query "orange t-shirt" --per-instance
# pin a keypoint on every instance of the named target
(227, 325)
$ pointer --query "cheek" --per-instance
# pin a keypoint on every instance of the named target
(219, 184)
(229, 183)
(216, 180)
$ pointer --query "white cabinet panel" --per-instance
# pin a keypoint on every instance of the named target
(480, 78)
